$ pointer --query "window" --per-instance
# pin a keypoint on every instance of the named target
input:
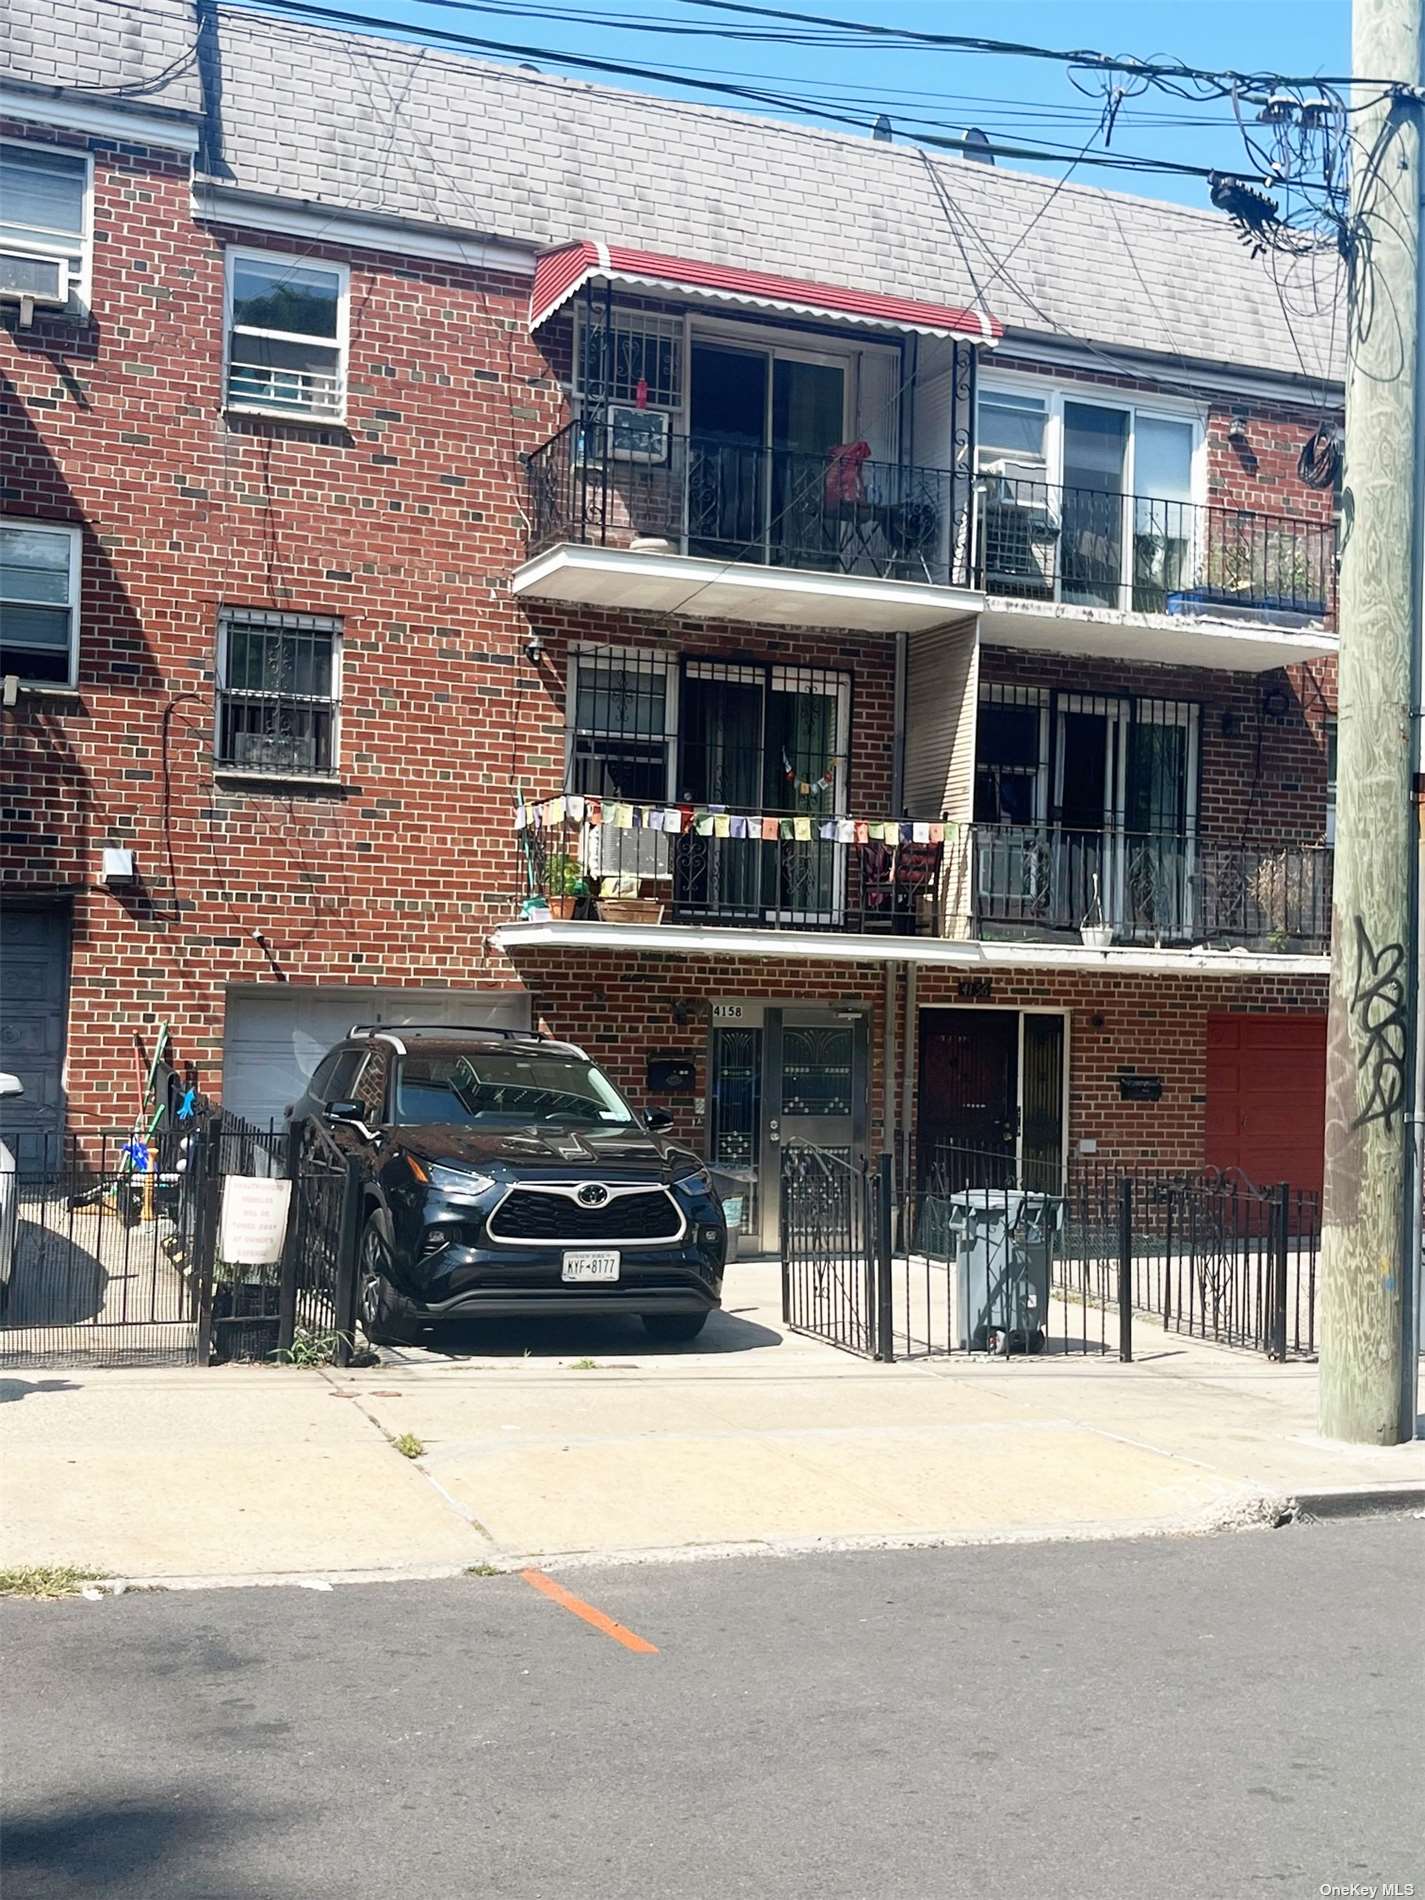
(1012, 435)
(1011, 751)
(370, 1088)
(1331, 781)
(44, 207)
(640, 346)
(286, 336)
(338, 1079)
(502, 1088)
(620, 729)
(278, 677)
(39, 601)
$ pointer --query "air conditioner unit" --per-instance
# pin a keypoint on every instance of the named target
(33, 281)
(637, 435)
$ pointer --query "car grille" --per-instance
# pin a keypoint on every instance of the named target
(559, 1220)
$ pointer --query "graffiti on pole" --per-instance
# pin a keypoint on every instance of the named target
(1378, 1010)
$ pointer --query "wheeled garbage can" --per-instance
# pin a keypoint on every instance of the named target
(1004, 1247)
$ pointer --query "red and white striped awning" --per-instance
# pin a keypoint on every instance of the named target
(559, 274)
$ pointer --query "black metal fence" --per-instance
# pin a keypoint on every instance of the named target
(978, 1255)
(118, 1251)
(1152, 887)
(839, 512)
(1207, 1252)
(1091, 547)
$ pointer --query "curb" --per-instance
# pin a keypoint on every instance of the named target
(1359, 1501)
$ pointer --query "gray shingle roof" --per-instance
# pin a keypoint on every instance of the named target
(385, 127)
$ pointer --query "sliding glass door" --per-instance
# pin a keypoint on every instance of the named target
(763, 423)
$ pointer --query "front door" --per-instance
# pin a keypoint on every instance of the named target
(779, 1075)
(968, 1126)
(991, 1091)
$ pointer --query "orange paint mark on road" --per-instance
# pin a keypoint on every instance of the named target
(576, 1606)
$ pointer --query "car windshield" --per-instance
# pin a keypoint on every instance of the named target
(505, 1086)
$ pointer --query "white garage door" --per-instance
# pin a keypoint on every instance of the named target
(274, 1038)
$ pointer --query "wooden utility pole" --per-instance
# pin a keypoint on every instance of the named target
(1368, 1274)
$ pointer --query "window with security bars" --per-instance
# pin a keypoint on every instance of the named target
(621, 726)
(278, 687)
(286, 344)
(637, 346)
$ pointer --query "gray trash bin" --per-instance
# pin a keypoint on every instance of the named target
(1004, 1247)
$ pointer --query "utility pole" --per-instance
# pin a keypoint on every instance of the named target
(1367, 1392)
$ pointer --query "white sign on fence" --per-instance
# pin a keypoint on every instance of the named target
(254, 1221)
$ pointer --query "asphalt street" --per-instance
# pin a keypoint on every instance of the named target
(1226, 1716)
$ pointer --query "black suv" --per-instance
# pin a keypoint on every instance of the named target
(505, 1175)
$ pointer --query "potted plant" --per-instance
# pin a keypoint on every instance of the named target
(1093, 931)
(563, 884)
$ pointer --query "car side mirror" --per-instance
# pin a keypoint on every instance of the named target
(658, 1121)
(10, 1087)
(343, 1112)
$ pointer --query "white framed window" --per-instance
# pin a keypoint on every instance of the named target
(1013, 435)
(286, 336)
(47, 209)
(1331, 781)
(279, 693)
(39, 601)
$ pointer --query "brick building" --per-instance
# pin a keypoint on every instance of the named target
(449, 508)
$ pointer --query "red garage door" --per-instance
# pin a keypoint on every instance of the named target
(1266, 1097)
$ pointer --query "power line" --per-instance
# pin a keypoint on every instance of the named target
(1128, 162)
(1105, 62)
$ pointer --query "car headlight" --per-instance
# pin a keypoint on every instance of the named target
(466, 1182)
(695, 1181)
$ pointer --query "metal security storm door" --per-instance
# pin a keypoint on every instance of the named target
(782, 1075)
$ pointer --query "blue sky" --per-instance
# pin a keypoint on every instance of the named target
(1028, 101)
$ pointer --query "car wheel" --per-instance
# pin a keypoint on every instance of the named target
(379, 1307)
(671, 1327)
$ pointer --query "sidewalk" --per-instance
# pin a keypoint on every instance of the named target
(753, 1440)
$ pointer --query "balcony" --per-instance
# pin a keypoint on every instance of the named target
(950, 889)
(1074, 569)
(629, 516)
(1043, 882)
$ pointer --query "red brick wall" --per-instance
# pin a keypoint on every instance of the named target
(406, 523)
(1149, 1025)
(623, 1008)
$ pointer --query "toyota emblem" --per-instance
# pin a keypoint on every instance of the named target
(594, 1194)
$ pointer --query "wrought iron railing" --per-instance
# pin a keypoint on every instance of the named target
(799, 872)
(836, 513)
(1149, 887)
(1038, 541)
(617, 873)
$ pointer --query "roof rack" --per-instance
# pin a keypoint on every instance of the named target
(364, 1031)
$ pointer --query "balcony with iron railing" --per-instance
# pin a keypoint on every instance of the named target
(1080, 547)
(1050, 883)
(971, 883)
(836, 538)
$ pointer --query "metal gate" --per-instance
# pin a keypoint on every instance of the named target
(115, 1258)
(974, 1260)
